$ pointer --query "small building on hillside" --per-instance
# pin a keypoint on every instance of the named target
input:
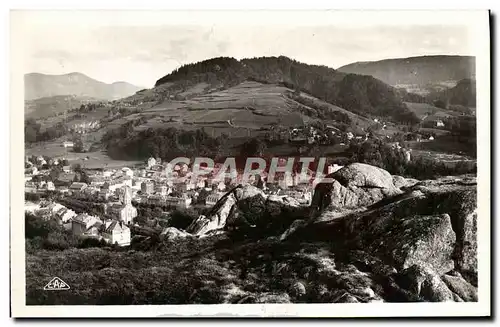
(68, 144)
(32, 171)
(213, 198)
(439, 123)
(77, 187)
(407, 155)
(147, 188)
(151, 162)
(116, 232)
(49, 186)
(163, 189)
(64, 214)
(82, 222)
(30, 187)
(178, 202)
(128, 172)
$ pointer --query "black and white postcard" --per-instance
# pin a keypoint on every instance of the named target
(250, 163)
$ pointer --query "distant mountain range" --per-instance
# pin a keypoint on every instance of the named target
(38, 85)
(421, 71)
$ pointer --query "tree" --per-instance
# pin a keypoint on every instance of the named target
(31, 130)
(54, 173)
(440, 103)
(78, 145)
(253, 148)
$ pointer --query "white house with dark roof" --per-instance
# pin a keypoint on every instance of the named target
(116, 232)
(68, 144)
(65, 214)
(82, 222)
(77, 187)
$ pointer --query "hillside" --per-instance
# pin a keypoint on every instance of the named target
(38, 85)
(245, 110)
(54, 105)
(462, 94)
(232, 101)
(363, 95)
(416, 74)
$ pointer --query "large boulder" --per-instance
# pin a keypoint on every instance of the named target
(463, 289)
(247, 206)
(217, 218)
(402, 182)
(356, 185)
(456, 196)
(417, 240)
(247, 191)
(425, 283)
(346, 298)
(271, 298)
(172, 233)
(296, 224)
(364, 175)
(444, 209)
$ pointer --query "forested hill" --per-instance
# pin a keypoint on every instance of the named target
(363, 95)
(416, 70)
(464, 94)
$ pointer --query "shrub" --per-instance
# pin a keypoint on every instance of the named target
(181, 219)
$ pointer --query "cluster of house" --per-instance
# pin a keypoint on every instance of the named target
(41, 166)
(114, 230)
(85, 126)
(310, 135)
(153, 185)
(150, 184)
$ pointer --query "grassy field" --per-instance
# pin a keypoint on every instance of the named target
(247, 109)
(422, 110)
(436, 131)
(95, 160)
(448, 145)
(48, 106)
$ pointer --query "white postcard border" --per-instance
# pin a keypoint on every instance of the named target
(480, 38)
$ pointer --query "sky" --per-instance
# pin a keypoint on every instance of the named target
(141, 54)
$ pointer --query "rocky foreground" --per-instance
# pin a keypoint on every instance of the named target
(367, 237)
(398, 239)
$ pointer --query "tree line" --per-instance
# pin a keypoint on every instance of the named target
(166, 143)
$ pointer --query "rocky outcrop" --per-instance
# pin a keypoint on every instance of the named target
(247, 207)
(172, 233)
(402, 182)
(416, 240)
(268, 298)
(390, 238)
(293, 227)
(424, 232)
(356, 185)
(462, 289)
(425, 283)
